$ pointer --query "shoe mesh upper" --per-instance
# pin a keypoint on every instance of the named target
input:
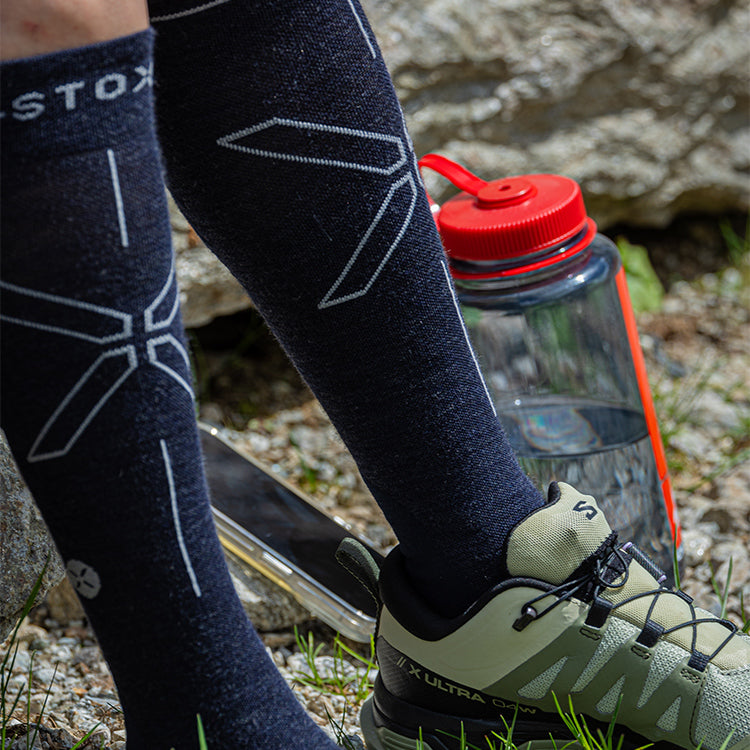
(617, 634)
(723, 707)
(608, 703)
(668, 720)
(540, 685)
(663, 659)
(552, 542)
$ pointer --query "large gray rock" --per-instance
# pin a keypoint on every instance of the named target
(25, 545)
(267, 605)
(645, 104)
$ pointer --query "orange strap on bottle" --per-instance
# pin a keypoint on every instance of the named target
(648, 403)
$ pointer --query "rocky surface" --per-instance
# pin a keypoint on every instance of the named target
(25, 545)
(267, 605)
(645, 104)
(698, 350)
(698, 354)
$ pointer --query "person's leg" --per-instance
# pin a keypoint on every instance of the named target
(96, 394)
(286, 148)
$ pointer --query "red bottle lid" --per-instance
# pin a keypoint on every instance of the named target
(512, 218)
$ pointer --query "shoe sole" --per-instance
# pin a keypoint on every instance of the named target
(382, 732)
(383, 738)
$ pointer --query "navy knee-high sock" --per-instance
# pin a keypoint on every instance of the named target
(286, 148)
(98, 408)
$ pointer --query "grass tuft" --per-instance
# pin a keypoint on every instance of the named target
(355, 685)
(9, 704)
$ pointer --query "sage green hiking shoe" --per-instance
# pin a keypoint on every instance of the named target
(582, 616)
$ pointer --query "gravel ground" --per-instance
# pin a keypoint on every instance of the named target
(698, 354)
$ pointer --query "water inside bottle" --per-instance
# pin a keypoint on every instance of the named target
(601, 449)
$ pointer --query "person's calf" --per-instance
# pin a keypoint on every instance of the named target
(98, 405)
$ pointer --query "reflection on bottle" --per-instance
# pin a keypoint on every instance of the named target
(600, 449)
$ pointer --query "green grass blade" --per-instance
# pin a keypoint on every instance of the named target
(201, 734)
(722, 594)
(725, 596)
(87, 736)
(745, 617)
(676, 566)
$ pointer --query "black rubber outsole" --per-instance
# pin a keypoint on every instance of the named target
(389, 723)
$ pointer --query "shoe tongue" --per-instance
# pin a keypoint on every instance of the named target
(552, 542)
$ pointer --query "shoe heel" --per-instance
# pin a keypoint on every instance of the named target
(382, 738)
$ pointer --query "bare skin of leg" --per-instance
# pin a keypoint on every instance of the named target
(36, 27)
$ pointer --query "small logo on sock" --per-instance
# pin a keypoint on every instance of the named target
(84, 578)
(583, 507)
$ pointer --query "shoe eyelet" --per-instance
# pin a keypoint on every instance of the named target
(528, 613)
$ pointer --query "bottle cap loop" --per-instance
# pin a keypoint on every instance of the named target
(513, 217)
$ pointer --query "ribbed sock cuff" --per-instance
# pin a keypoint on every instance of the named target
(79, 99)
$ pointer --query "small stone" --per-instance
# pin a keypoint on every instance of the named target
(22, 661)
(38, 644)
(297, 664)
(258, 443)
(28, 632)
(45, 675)
(696, 544)
(712, 408)
(693, 444)
(731, 279)
(63, 603)
(278, 641)
(352, 742)
(719, 515)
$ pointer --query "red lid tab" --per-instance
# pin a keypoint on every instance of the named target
(507, 192)
(508, 218)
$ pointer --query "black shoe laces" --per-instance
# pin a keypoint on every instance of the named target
(611, 562)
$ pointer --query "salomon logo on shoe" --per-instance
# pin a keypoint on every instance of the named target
(583, 507)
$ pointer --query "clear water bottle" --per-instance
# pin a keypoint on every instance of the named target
(547, 309)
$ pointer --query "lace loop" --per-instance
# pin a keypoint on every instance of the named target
(590, 585)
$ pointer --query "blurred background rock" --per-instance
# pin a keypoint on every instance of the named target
(644, 104)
